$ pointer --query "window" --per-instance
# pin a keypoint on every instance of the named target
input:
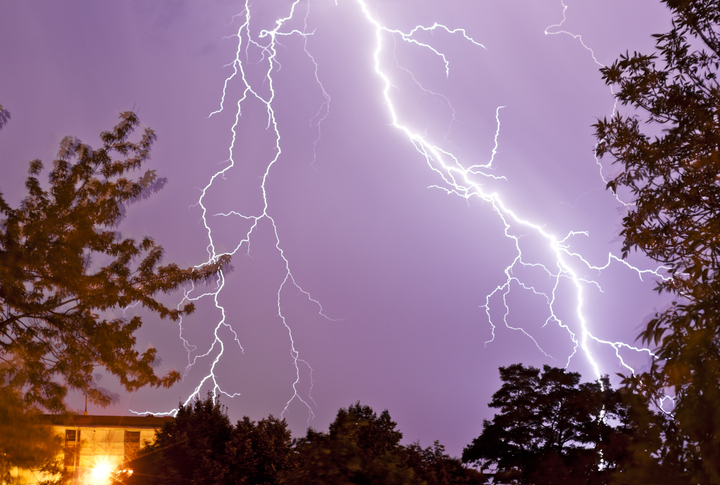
(72, 437)
(132, 444)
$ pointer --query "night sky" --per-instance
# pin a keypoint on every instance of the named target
(393, 260)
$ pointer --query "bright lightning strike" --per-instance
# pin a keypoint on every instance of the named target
(266, 42)
(463, 182)
(255, 69)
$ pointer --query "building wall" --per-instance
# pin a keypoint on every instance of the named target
(88, 451)
(94, 446)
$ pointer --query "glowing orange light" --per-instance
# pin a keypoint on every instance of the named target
(100, 473)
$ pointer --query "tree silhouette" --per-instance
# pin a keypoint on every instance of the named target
(668, 150)
(551, 429)
(65, 270)
(260, 452)
(434, 467)
(359, 448)
(202, 447)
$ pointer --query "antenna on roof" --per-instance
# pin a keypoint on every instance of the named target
(85, 414)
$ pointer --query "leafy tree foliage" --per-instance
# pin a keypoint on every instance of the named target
(657, 451)
(189, 449)
(202, 447)
(668, 151)
(434, 467)
(64, 269)
(260, 451)
(25, 445)
(551, 429)
(359, 448)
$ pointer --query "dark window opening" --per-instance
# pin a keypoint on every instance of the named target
(132, 444)
(71, 439)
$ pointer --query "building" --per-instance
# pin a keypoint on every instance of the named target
(96, 446)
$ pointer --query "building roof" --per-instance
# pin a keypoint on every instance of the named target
(84, 421)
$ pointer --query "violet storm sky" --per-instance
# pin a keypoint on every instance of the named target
(414, 167)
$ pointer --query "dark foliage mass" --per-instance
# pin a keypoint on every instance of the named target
(552, 429)
(668, 150)
(24, 443)
(434, 467)
(64, 269)
(202, 447)
(361, 447)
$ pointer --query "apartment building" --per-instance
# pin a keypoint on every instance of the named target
(94, 447)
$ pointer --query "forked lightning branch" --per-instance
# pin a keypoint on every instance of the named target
(255, 81)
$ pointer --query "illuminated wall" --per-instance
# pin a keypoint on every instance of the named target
(96, 446)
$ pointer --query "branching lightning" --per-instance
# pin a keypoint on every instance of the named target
(469, 181)
(266, 42)
(462, 181)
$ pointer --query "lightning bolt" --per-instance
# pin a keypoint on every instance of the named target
(463, 181)
(265, 43)
(254, 69)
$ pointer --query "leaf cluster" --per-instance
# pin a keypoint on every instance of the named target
(360, 447)
(201, 446)
(65, 270)
(25, 444)
(674, 179)
(657, 451)
(551, 429)
(434, 467)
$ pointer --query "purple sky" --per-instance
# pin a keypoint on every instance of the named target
(401, 265)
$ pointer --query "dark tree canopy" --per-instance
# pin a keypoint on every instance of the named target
(657, 451)
(667, 148)
(191, 449)
(201, 446)
(551, 429)
(359, 448)
(434, 467)
(64, 268)
(374, 435)
(259, 452)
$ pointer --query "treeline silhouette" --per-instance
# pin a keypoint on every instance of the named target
(202, 446)
(549, 429)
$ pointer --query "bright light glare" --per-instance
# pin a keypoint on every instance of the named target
(100, 473)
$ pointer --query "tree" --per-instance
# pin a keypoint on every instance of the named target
(656, 451)
(359, 448)
(668, 151)
(201, 446)
(434, 467)
(551, 429)
(64, 269)
(260, 452)
(24, 443)
(190, 449)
